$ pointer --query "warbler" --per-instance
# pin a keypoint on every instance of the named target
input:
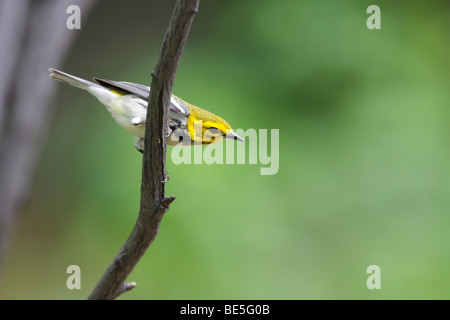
(127, 103)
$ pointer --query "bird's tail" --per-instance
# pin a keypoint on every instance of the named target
(69, 79)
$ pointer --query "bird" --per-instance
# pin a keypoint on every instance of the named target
(127, 102)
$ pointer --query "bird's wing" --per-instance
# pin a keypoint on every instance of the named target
(137, 89)
(176, 105)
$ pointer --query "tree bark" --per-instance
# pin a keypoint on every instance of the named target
(154, 202)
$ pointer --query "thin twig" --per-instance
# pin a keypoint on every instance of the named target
(127, 286)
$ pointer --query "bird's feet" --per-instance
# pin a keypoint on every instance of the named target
(139, 145)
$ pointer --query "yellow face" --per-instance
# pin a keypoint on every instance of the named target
(205, 127)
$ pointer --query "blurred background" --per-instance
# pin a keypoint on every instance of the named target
(364, 175)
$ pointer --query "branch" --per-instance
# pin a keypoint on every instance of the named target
(154, 202)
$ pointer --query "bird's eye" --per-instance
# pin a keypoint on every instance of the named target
(214, 130)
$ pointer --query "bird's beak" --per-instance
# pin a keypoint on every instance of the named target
(232, 135)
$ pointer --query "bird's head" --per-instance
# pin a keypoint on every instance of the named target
(205, 127)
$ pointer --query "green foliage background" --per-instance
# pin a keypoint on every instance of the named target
(364, 157)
